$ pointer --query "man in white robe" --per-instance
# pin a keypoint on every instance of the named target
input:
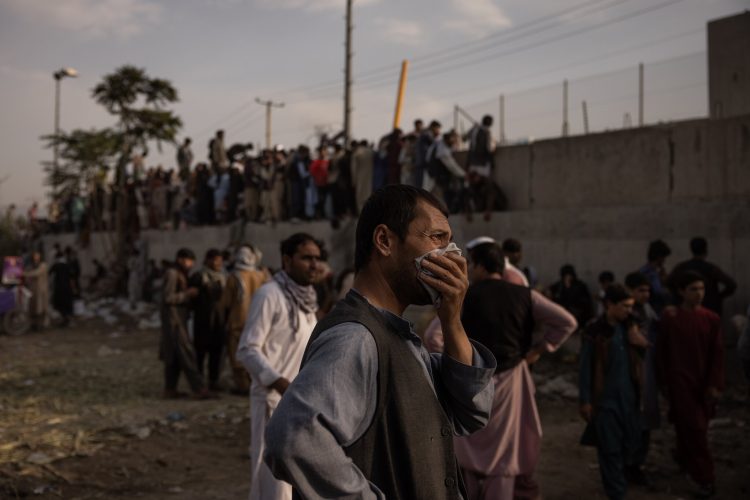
(279, 324)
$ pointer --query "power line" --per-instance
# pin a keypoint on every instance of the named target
(445, 53)
(524, 48)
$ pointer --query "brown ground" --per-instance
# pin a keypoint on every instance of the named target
(81, 417)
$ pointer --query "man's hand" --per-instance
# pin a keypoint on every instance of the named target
(191, 292)
(280, 385)
(533, 355)
(586, 411)
(451, 281)
(636, 338)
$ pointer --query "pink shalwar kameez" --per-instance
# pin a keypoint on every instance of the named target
(500, 459)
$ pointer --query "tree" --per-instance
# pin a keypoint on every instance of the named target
(139, 103)
(85, 157)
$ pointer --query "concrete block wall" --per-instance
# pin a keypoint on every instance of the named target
(593, 201)
(694, 160)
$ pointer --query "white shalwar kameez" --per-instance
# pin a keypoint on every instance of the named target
(269, 349)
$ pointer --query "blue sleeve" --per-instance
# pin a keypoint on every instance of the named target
(330, 405)
(584, 373)
(466, 392)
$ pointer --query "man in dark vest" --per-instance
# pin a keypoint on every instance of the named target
(372, 414)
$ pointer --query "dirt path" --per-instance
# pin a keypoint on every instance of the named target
(81, 417)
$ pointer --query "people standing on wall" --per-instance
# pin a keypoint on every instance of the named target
(278, 326)
(218, 152)
(480, 165)
(392, 156)
(319, 174)
(252, 180)
(656, 272)
(175, 348)
(184, 159)
(444, 176)
(298, 177)
(209, 316)
(609, 389)
(718, 284)
(638, 286)
(499, 461)
(691, 372)
(573, 295)
(425, 138)
(362, 166)
(242, 283)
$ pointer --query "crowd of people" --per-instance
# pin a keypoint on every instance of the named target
(331, 181)
(346, 399)
(331, 413)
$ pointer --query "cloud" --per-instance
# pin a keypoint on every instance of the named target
(92, 18)
(401, 31)
(477, 17)
(312, 5)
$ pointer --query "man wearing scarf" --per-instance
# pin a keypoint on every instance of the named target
(241, 285)
(209, 318)
(280, 322)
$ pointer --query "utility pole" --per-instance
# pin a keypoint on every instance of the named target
(269, 105)
(348, 76)
(585, 117)
(640, 95)
(565, 126)
(501, 121)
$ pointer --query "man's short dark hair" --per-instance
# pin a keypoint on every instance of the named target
(511, 245)
(290, 245)
(395, 206)
(636, 279)
(687, 278)
(487, 120)
(185, 253)
(657, 249)
(606, 276)
(211, 254)
(699, 246)
(614, 294)
(418, 123)
(434, 123)
(568, 269)
(490, 256)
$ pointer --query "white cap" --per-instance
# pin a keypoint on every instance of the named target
(479, 241)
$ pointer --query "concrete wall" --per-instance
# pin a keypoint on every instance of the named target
(729, 66)
(695, 160)
(593, 201)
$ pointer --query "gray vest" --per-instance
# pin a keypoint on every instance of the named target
(407, 451)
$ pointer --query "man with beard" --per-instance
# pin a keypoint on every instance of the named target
(281, 319)
(176, 350)
(209, 316)
(372, 414)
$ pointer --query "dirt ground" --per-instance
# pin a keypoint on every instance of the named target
(81, 417)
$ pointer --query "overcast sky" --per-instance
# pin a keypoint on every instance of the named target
(222, 54)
